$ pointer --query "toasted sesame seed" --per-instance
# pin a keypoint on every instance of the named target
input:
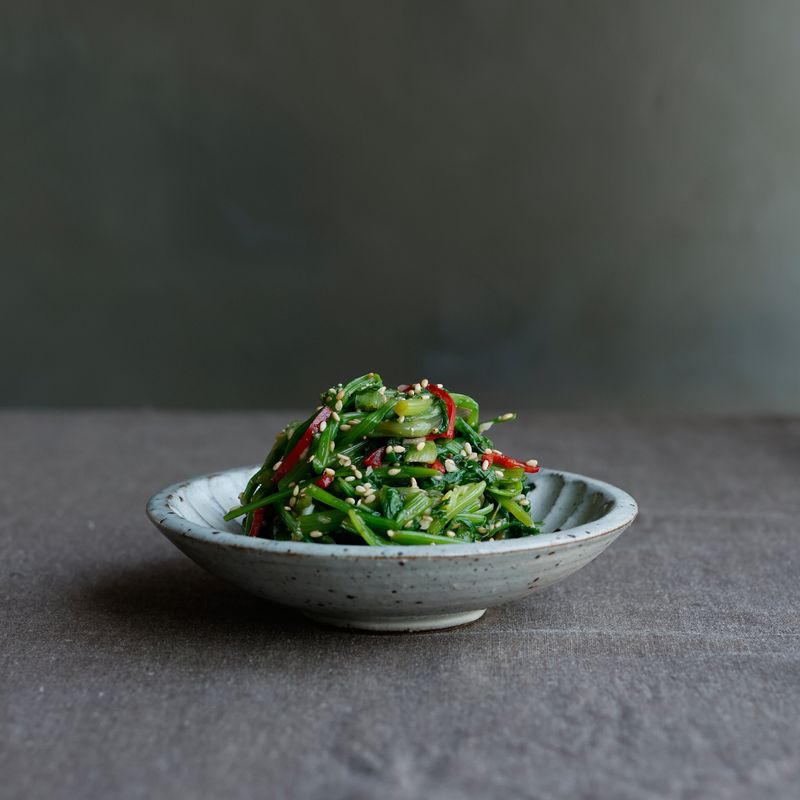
(474, 457)
(421, 446)
(340, 394)
(360, 489)
(344, 427)
(424, 383)
(487, 451)
(277, 465)
(481, 529)
(329, 471)
(398, 448)
(450, 465)
(451, 534)
(370, 499)
(394, 471)
(357, 473)
(525, 502)
(350, 478)
(292, 501)
(499, 473)
(296, 491)
(287, 508)
(355, 421)
(350, 500)
(315, 534)
(532, 462)
(468, 448)
(390, 449)
(485, 464)
(345, 460)
(506, 416)
(323, 425)
(463, 453)
(401, 418)
(292, 484)
(338, 406)
(336, 416)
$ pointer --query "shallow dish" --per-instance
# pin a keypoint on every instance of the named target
(395, 588)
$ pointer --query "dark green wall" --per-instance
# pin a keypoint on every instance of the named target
(236, 204)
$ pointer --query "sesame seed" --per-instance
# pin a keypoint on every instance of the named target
(338, 406)
(292, 484)
(370, 499)
(359, 501)
(421, 446)
(451, 534)
(311, 458)
(350, 478)
(487, 451)
(525, 502)
(532, 462)
(355, 421)
(499, 473)
(360, 489)
(292, 501)
(390, 534)
(506, 417)
(350, 500)
(323, 425)
(357, 473)
(390, 449)
(329, 471)
(424, 383)
(344, 460)
(277, 465)
(368, 471)
(394, 471)
(340, 394)
(315, 534)
(468, 448)
(398, 448)
(439, 386)
(333, 446)
(345, 427)
(401, 418)
(481, 530)
(485, 464)
(474, 457)
(463, 453)
(336, 416)
(295, 491)
(287, 508)
(450, 465)
(417, 388)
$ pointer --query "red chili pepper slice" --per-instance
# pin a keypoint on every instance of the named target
(375, 458)
(507, 461)
(258, 521)
(305, 440)
(324, 481)
(438, 465)
(451, 410)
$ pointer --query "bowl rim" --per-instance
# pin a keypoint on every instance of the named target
(619, 517)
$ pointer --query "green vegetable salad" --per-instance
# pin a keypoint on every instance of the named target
(380, 466)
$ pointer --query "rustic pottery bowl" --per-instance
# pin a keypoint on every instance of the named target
(395, 588)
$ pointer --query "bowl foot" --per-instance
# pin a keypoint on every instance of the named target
(398, 624)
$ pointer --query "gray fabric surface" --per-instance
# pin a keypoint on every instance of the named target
(669, 667)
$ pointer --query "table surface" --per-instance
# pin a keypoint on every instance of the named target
(669, 667)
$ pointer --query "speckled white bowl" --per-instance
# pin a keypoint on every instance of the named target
(395, 588)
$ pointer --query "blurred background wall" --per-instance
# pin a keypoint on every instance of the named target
(235, 204)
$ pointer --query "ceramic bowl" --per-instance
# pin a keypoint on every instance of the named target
(395, 588)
